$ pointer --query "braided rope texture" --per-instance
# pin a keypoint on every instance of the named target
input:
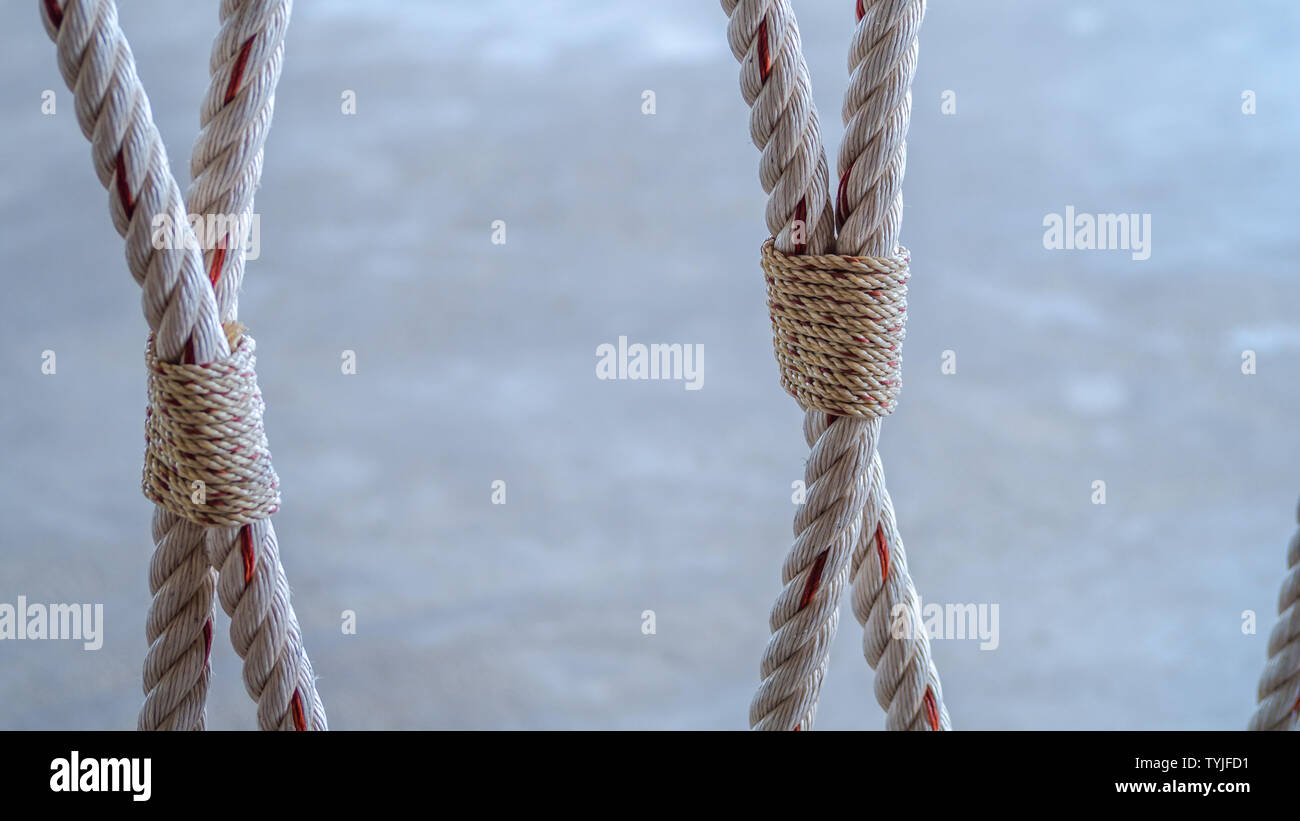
(181, 307)
(838, 328)
(204, 425)
(847, 518)
(1279, 684)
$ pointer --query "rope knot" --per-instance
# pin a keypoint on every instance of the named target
(838, 328)
(206, 455)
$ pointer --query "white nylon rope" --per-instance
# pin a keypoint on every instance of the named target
(182, 310)
(872, 161)
(846, 499)
(1279, 684)
(226, 167)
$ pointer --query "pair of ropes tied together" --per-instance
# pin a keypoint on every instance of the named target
(207, 466)
(837, 295)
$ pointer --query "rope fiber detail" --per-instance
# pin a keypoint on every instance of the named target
(838, 328)
(206, 455)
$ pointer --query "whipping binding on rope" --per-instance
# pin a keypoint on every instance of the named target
(198, 372)
(838, 328)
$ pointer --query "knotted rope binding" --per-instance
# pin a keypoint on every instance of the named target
(838, 328)
(190, 300)
(206, 454)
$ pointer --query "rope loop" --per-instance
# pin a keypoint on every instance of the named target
(838, 327)
(206, 454)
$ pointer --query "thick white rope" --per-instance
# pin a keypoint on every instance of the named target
(226, 167)
(1279, 685)
(226, 163)
(181, 309)
(179, 305)
(832, 526)
(774, 81)
(872, 161)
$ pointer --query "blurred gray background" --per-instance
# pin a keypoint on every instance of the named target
(476, 363)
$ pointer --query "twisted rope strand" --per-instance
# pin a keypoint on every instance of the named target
(226, 167)
(793, 171)
(131, 163)
(1279, 684)
(226, 163)
(783, 124)
(264, 629)
(877, 111)
(872, 162)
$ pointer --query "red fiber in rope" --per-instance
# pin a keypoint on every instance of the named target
(123, 190)
(882, 551)
(842, 195)
(814, 580)
(299, 719)
(246, 551)
(55, 13)
(237, 73)
(931, 711)
(218, 259)
(764, 59)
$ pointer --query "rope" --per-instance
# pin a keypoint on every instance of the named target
(847, 510)
(131, 162)
(838, 328)
(226, 163)
(204, 427)
(1279, 684)
(183, 312)
(226, 167)
(872, 160)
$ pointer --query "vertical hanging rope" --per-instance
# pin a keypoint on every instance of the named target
(131, 162)
(764, 37)
(847, 506)
(872, 162)
(182, 310)
(1279, 684)
(226, 167)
